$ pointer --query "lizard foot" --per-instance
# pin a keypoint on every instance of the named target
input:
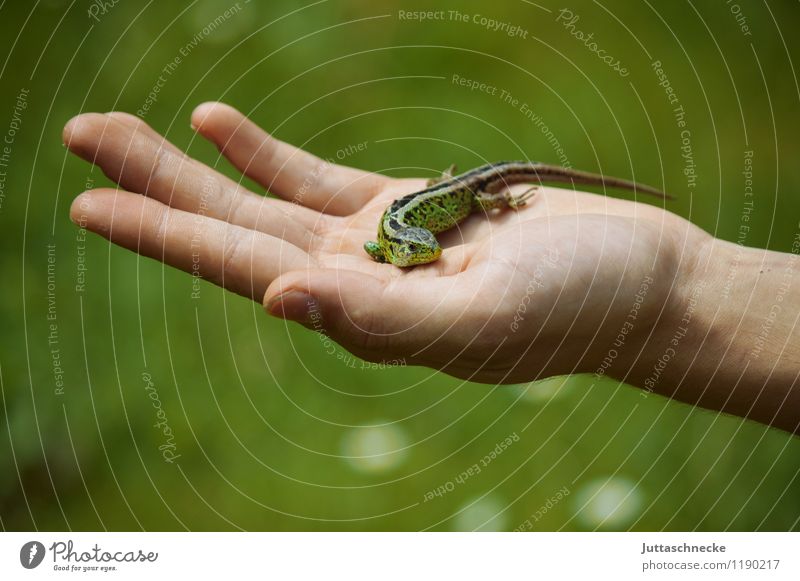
(517, 202)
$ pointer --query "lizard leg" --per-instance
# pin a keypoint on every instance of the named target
(520, 200)
(488, 201)
(446, 175)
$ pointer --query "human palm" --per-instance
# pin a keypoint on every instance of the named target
(515, 295)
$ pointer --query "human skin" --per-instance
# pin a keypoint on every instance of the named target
(573, 282)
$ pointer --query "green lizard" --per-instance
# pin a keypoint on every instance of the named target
(407, 227)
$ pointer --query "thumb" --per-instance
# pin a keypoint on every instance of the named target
(371, 317)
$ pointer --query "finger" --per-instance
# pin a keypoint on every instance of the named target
(372, 317)
(241, 260)
(136, 123)
(287, 171)
(309, 218)
(144, 164)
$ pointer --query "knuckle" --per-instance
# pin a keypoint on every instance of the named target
(160, 224)
(215, 198)
(158, 168)
(231, 256)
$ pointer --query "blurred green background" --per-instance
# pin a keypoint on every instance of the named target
(277, 430)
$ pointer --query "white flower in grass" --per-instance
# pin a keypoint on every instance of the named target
(375, 448)
(608, 503)
(482, 514)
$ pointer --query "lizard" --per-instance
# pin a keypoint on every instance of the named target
(406, 232)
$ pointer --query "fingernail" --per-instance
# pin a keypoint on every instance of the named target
(292, 305)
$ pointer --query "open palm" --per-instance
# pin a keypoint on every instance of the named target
(516, 295)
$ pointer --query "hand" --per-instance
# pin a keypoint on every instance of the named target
(515, 296)
(573, 282)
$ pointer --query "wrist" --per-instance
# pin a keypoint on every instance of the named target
(728, 339)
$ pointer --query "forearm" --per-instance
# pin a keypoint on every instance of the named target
(731, 339)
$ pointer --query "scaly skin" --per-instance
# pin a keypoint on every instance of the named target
(407, 227)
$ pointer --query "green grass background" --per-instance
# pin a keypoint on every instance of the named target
(262, 413)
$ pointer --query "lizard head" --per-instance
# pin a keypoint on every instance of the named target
(412, 246)
(375, 251)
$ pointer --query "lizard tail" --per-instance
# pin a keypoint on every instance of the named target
(559, 174)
